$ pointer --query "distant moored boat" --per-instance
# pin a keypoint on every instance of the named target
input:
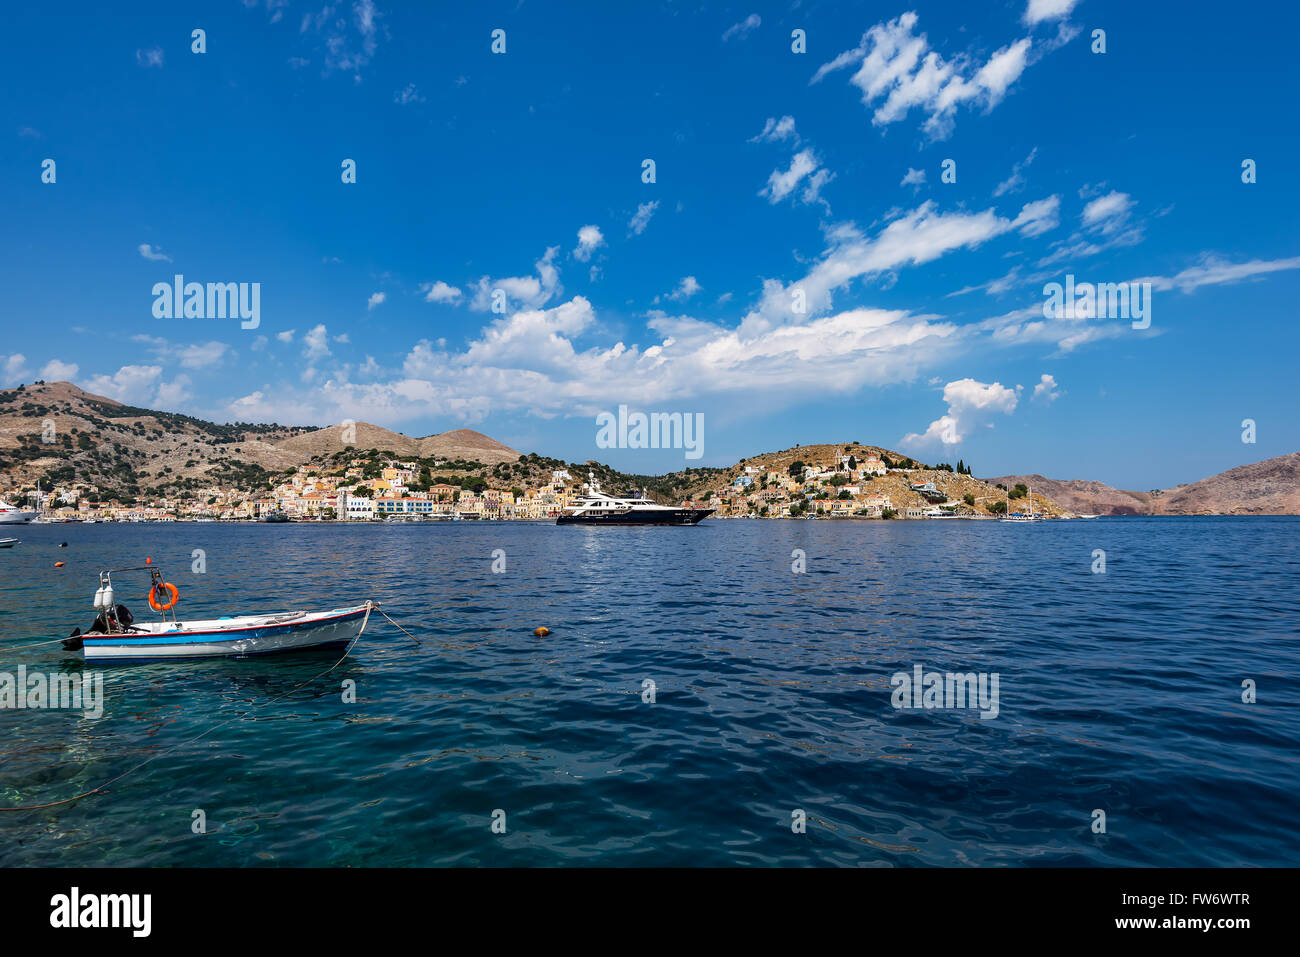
(10, 515)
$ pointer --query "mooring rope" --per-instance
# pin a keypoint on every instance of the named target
(397, 626)
(370, 606)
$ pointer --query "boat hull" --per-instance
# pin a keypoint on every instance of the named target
(637, 516)
(328, 629)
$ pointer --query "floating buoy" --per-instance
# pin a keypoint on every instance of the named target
(540, 632)
(58, 564)
(148, 560)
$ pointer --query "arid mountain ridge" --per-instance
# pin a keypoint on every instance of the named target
(61, 433)
(98, 440)
(1270, 487)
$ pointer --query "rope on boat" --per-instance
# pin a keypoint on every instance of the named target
(396, 625)
(36, 644)
(371, 606)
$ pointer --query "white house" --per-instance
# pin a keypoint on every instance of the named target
(356, 507)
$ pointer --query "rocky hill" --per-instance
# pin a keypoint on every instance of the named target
(896, 485)
(57, 433)
(1270, 487)
(1084, 497)
(458, 444)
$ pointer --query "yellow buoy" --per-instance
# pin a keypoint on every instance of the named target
(540, 632)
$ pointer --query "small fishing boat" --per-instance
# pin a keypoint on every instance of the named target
(117, 636)
(9, 542)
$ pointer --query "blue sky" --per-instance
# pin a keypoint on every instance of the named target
(776, 173)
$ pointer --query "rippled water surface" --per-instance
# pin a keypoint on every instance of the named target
(1119, 691)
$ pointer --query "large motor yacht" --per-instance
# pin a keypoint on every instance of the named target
(597, 508)
(9, 515)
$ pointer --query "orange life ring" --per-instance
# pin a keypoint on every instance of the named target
(172, 590)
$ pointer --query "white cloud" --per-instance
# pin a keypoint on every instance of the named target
(971, 404)
(805, 167)
(171, 394)
(316, 343)
(1107, 222)
(897, 71)
(685, 289)
(350, 43)
(1046, 390)
(637, 224)
(744, 28)
(196, 356)
(14, 370)
(132, 385)
(149, 58)
(1108, 213)
(441, 292)
(409, 94)
(775, 130)
(58, 371)
(286, 336)
(1016, 181)
(913, 177)
(376, 298)
(1214, 271)
(914, 238)
(202, 355)
(154, 255)
(524, 292)
(590, 239)
(1039, 10)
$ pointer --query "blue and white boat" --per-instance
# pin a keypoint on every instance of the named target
(116, 635)
(229, 637)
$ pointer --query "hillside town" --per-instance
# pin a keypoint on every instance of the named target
(836, 482)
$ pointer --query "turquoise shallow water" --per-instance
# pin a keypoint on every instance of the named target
(1119, 692)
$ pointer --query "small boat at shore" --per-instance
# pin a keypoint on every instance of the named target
(115, 634)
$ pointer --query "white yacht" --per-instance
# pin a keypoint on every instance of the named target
(597, 508)
(10, 515)
(1020, 516)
